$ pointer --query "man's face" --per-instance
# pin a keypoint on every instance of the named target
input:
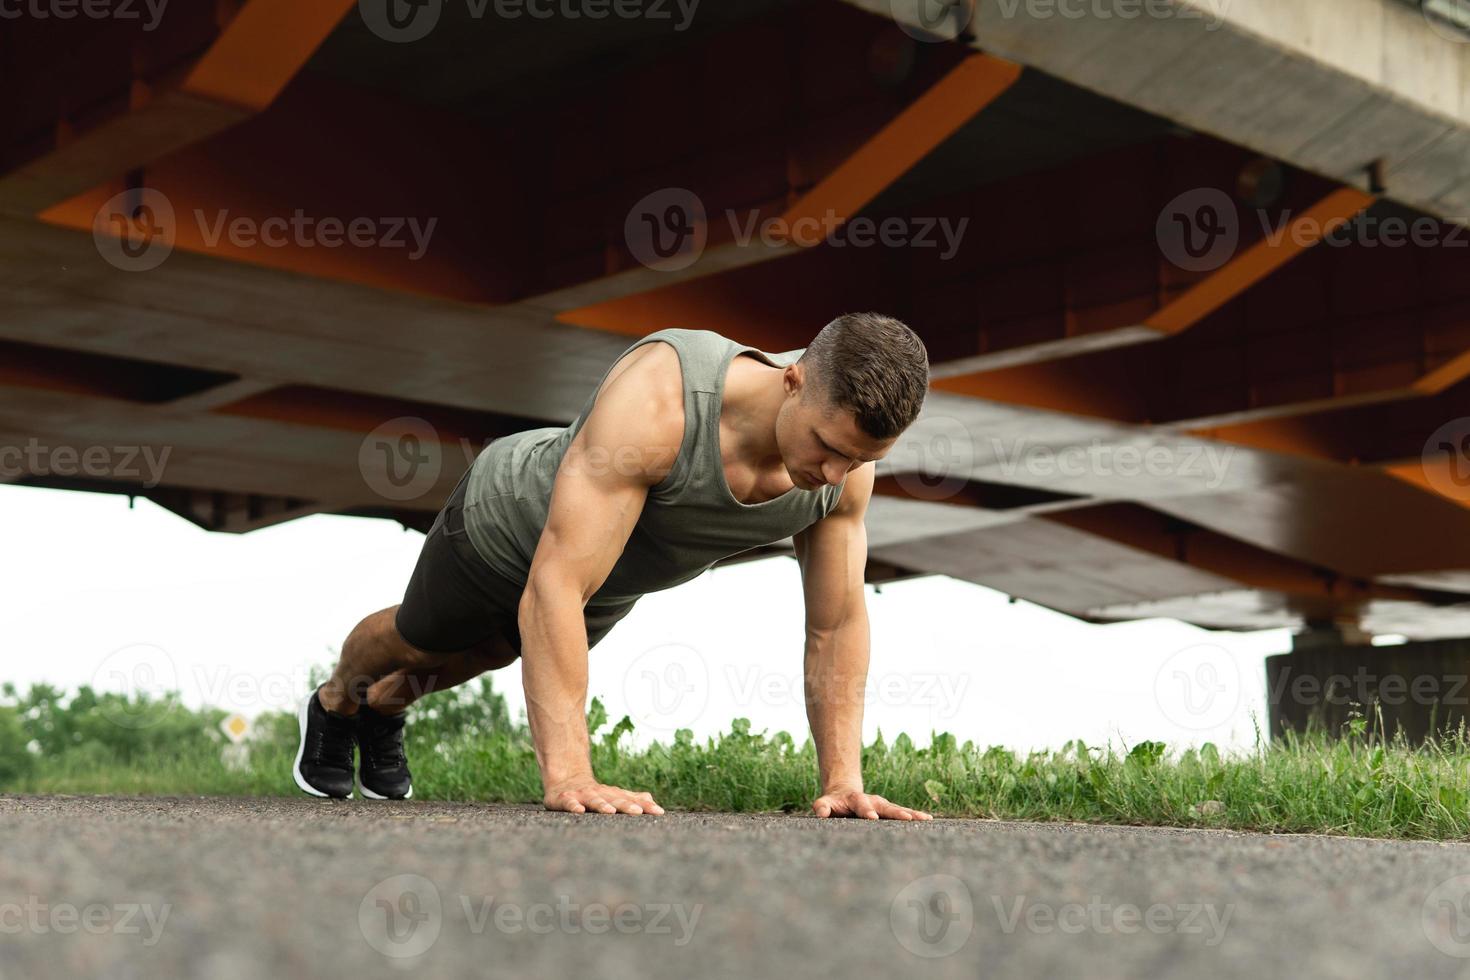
(820, 447)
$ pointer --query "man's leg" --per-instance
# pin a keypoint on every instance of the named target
(380, 667)
(393, 693)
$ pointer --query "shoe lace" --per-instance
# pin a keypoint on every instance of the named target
(381, 739)
(334, 742)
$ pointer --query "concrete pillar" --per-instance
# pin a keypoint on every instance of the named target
(1333, 673)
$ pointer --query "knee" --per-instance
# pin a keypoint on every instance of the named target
(383, 628)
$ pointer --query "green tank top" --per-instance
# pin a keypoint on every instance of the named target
(690, 519)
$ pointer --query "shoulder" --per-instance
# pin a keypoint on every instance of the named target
(640, 406)
(857, 490)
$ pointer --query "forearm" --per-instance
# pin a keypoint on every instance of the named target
(836, 672)
(554, 674)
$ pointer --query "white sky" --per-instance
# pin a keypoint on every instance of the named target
(141, 599)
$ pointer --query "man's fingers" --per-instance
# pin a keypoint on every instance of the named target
(599, 804)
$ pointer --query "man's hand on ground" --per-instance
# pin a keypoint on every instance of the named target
(848, 802)
(584, 795)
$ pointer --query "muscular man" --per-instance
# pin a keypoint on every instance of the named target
(690, 449)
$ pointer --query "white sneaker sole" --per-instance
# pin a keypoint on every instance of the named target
(301, 749)
(368, 794)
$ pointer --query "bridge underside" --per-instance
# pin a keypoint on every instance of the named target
(1266, 440)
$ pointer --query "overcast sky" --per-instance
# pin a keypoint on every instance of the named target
(98, 593)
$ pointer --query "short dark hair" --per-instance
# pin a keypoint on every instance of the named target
(873, 366)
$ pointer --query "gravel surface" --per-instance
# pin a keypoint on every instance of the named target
(223, 888)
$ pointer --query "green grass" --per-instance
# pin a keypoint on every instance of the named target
(463, 746)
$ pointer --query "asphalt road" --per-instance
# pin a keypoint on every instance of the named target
(223, 888)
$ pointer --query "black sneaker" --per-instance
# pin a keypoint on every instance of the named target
(324, 757)
(382, 768)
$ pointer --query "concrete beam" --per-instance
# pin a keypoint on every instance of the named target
(1329, 85)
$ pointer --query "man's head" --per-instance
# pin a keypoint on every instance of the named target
(857, 386)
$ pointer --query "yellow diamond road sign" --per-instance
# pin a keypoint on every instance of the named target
(235, 727)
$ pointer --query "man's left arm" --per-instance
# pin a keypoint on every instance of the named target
(832, 554)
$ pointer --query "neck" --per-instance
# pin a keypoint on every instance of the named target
(754, 393)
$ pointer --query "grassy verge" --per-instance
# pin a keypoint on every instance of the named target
(463, 746)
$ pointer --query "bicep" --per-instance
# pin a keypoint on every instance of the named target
(601, 486)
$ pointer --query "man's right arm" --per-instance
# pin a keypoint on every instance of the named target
(622, 449)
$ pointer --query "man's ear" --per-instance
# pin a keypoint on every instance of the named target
(794, 378)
